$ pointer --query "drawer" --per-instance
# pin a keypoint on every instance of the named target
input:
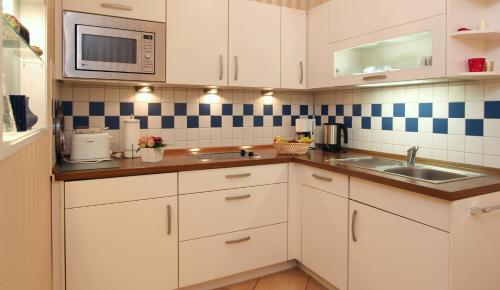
(216, 212)
(215, 257)
(234, 177)
(425, 209)
(325, 180)
(154, 11)
(120, 189)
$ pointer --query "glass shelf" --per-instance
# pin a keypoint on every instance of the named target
(16, 46)
(412, 51)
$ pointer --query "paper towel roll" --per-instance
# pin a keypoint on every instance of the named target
(131, 135)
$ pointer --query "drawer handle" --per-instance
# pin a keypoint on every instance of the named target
(221, 67)
(375, 77)
(230, 242)
(483, 210)
(169, 219)
(116, 6)
(238, 175)
(230, 198)
(322, 178)
(353, 225)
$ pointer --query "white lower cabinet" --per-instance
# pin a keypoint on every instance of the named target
(209, 258)
(324, 235)
(390, 252)
(127, 246)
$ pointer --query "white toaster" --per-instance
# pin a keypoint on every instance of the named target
(90, 146)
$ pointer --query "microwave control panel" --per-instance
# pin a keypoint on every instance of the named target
(148, 53)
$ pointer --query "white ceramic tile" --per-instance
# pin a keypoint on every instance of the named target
(492, 91)
(278, 131)
(412, 94)
(474, 159)
(347, 110)
(278, 110)
(111, 109)
(154, 122)
(366, 135)
(456, 92)
(399, 95)
(268, 132)
(227, 142)
(193, 109)
(456, 142)
(180, 122)
(425, 153)
(425, 125)
(204, 133)
(247, 121)
(456, 156)
(440, 93)
(248, 132)
(387, 137)
(238, 142)
(491, 146)
(387, 110)
(258, 132)
(168, 95)
(180, 144)
(387, 148)
(367, 145)
(168, 135)
(216, 133)
(377, 123)
(268, 121)
(411, 139)
(237, 97)
(192, 134)
(491, 127)
(227, 133)
(491, 161)
(127, 94)
(167, 109)
(238, 133)
(440, 110)
(366, 110)
(399, 138)
(204, 122)
(425, 93)
(180, 135)
(204, 143)
(399, 149)
(411, 110)
(141, 109)
(192, 96)
(227, 121)
(180, 96)
(66, 93)
(237, 109)
(96, 94)
(456, 126)
(81, 94)
(356, 122)
(192, 144)
(474, 92)
(68, 123)
(474, 144)
(96, 121)
(425, 140)
(440, 141)
(296, 110)
(80, 108)
(399, 124)
(474, 110)
(440, 154)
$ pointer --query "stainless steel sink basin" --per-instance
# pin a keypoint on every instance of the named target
(432, 174)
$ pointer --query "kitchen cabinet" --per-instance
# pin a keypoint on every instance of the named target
(325, 235)
(391, 252)
(128, 245)
(293, 48)
(197, 42)
(371, 16)
(254, 44)
(136, 9)
(318, 66)
(414, 51)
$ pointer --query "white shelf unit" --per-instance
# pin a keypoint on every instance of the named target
(477, 75)
(479, 35)
(23, 72)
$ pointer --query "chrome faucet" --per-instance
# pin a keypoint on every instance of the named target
(411, 156)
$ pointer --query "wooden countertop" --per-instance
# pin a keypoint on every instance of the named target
(181, 160)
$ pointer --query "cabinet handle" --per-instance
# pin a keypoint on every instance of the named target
(230, 242)
(221, 67)
(301, 72)
(483, 210)
(323, 178)
(375, 77)
(353, 225)
(230, 198)
(169, 219)
(238, 175)
(236, 68)
(116, 6)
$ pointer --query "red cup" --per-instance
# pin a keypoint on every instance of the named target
(477, 64)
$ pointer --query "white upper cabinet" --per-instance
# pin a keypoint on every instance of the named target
(254, 44)
(349, 18)
(293, 48)
(197, 36)
(153, 10)
(317, 51)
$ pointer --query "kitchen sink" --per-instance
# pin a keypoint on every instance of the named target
(431, 174)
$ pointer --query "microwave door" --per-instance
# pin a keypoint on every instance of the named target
(108, 49)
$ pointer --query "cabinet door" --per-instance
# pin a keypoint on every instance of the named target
(389, 252)
(318, 59)
(127, 246)
(135, 9)
(377, 15)
(325, 235)
(197, 35)
(293, 48)
(254, 44)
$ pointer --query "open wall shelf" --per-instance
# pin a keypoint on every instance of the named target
(478, 35)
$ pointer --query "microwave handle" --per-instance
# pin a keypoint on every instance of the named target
(116, 6)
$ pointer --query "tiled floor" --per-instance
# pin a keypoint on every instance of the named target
(293, 279)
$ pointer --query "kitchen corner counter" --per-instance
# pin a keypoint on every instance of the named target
(180, 160)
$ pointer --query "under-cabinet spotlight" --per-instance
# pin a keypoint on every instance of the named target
(267, 93)
(144, 89)
(211, 91)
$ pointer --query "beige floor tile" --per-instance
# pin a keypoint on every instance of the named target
(293, 279)
(314, 285)
(246, 285)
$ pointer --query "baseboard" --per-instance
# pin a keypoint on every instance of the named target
(317, 277)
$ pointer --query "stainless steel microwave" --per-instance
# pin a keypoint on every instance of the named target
(114, 48)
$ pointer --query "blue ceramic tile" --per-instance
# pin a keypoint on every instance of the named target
(112, 122)
(425, 110)
(167, 122)
(348, 122)
(376, 110)
(96, 108)
(287, 110)
(237, 121)
(216, 121)
(154, 109)
(318, 120)
(440, 126)
(474, 127)
(247, 109)
(411, 124)
(67, 108)
(258, 121)
(492, 110)
(399, 110)
(277, 121)
(339, 110)
(126, 109)
(387, 123)
(366, 122)
(294, 119)
(80, 122)
(268, 110)
(304, 110)
(180, 109)
(193, 121)
(227, 109)
(204, 109)
(456, 110)
(356, 110)
(143, 120)
(324, 110)
(331, 120)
